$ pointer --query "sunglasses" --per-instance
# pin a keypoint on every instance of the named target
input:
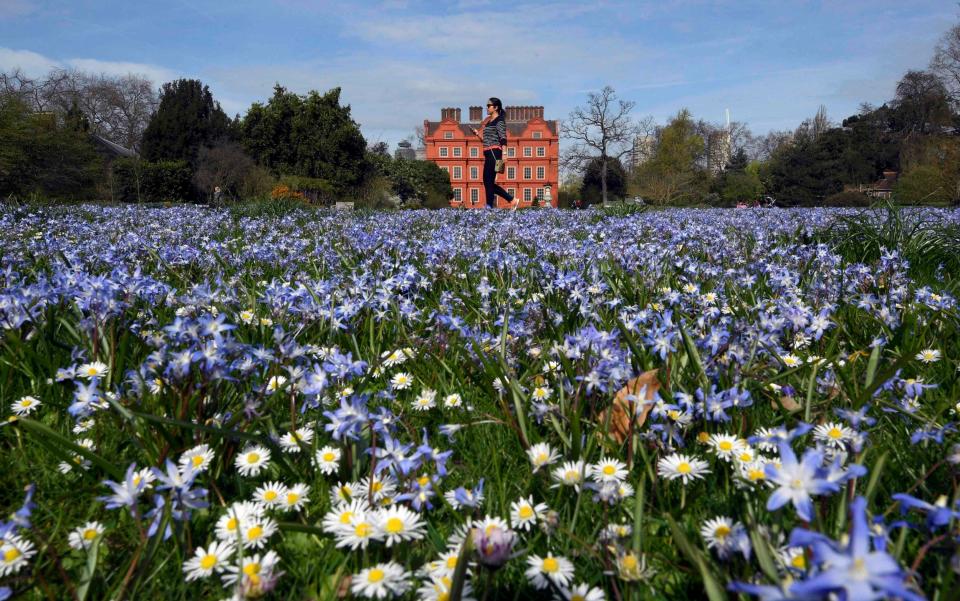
(489, 105)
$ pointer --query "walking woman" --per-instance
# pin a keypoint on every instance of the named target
(493, 132)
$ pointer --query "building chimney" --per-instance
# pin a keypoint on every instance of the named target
(457, 114)
(476, 114)
(450, 113)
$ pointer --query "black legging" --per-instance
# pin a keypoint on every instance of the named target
(490, 187)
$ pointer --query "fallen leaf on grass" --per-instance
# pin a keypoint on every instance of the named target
(645, 385)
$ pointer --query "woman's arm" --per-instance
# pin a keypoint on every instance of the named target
(502, 132)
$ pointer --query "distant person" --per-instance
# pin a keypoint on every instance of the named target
(493, 133)
(217, 196)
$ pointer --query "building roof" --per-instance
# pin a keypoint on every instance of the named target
(886, 183)
(112, 147)
(514, 128)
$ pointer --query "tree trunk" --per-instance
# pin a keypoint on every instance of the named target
(603, 178)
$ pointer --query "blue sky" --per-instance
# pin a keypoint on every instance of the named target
(772, 62)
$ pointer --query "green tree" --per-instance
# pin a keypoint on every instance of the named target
(40, 155)
(672, 175)
(414, 181)
(310, 136)
(187, 119)
(922, 104)
(591, 190)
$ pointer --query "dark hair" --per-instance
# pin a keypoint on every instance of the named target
(496, 103)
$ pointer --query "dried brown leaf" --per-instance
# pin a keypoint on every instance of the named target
(620, 410)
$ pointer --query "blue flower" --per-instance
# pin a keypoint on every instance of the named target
(798, 481)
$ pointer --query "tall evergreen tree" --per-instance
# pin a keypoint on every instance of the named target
(188, 117)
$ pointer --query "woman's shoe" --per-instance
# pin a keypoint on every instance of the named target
(514, 204)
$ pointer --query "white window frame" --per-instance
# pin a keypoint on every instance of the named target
(474, 195)
(527, 194)
(474, 152)
(537, 135)
(539, 193)
(511, 151)
(541, 151)
(457, 172)
(474, 173)
(457, 152)
(512, 191)
(458, 194)
(528, 151)
(541, 173)
(527, 173)
(448, 135)
(444, 152)
(511, 173)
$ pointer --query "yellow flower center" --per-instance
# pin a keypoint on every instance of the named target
(551, 565)
(526, 512)
(89, 534)
(253, 457)
(423, 480)
(629, 562)
(394, 525)
(725, 445)
(799, 561)
(756, 474)
(572, 475)
(232, 524)
(254, 533)
(375, 575)
(251, 569)
(197, 460)
(292, 498)
(345, 517)
(376, 487)
(270, 495)
(328, 456)
(451, 562)
(722, 531)
(542, 458)
(609, 470)
(835, 433)
(684, 468)
(208, 561)
(362, 530)
(11, 555)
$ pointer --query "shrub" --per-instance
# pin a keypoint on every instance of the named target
(135, 180)
(316, 190)
(283, 192)
(848, 198)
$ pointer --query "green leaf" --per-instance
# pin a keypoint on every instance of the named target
(51, 439)
(714, 591)
(86, 577)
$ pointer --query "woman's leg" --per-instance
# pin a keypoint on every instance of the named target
(489, 177)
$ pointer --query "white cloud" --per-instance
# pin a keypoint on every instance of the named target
(36, 65)
(31, 63)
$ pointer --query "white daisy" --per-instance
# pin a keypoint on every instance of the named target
(392, 358)
(583, 592)
(206, 561)
(571, 473)
(425, 400)
(84, 536)
(541, 454)
(381, 581)
(717, 530)
(680, 466)
(726, 446)
(252, 460)
(270, 494)
(296, 497)
(452, 401)
(608, 470)
(341, 516)
(94, 369)
(928, 355)
(196, 459)
(790, 360)
(834, 434)
(275, 383)
(255, 569)
(344, 492)
(236, 519)
(524, 513)
(397, 524)
(255, 534)
(541, 393)
(25, 405)
(15, 551)
(328, 460)
(544, 570)
(292, 441)
(401, 381)
(359, 533)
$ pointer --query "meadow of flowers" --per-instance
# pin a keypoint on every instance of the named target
(684, 404)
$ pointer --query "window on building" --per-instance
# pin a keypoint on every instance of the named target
(527, 194)
(511, 151)
(511, 173)
(537, 135)
(541, 173)
(458, 194)
(474, 173)
(474, 195)
(541, 151)
(474, 152)
(444, 151)
(527, 173)
(539, 193)
(512, 191)
(448, 135)
(528, 151)
(457, 172)
(457, 151)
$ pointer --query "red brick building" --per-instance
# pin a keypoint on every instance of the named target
(532, 155)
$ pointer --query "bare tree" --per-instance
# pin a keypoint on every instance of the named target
(946, 62)
(420, 136)
(602, 127)
(762, 147)
(118, 108)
